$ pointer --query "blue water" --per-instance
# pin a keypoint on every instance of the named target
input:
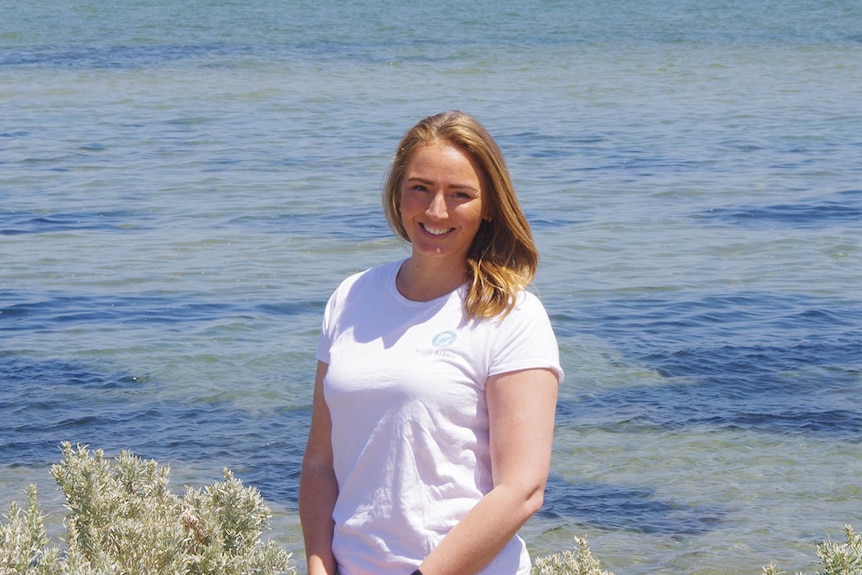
(182, 186)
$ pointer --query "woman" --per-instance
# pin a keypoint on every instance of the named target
(437, 376)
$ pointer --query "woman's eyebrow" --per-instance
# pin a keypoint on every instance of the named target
(455, 186)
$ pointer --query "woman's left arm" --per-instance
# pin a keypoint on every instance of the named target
(521, 409)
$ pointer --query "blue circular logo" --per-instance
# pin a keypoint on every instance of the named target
(444, 338)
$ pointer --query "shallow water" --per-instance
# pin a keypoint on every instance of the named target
(182, 187)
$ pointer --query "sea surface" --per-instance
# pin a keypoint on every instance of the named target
(182, 185)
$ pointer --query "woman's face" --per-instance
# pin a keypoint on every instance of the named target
(441, 202)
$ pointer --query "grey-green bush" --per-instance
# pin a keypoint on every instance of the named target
(124, 519)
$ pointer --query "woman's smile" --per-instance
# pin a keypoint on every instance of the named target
(436, 231)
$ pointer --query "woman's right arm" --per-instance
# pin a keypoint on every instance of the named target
(318, 487)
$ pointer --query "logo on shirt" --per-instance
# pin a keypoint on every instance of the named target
(444, 339)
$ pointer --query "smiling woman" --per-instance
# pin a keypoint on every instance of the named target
(437, 378)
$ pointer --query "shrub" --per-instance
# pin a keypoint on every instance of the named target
(581, 562)
(124, 519)
(836, 558)
(24, 541)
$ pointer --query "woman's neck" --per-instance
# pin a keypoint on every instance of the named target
(423, 281)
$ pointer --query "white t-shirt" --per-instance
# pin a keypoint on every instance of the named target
(405, 390)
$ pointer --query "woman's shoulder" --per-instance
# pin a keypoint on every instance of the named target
(526, 301)
(371, 278)
(528, 309)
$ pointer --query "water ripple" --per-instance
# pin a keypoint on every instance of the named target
(16, 223)
(57, 311)
(113, 57)
(817, 213)
(707, 405)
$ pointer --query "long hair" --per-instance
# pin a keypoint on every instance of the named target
(502, 259)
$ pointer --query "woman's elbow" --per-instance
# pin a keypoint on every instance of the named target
(527, 501)
(534, 501)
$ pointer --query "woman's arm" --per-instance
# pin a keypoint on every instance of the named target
(521, 409)
(318, 487)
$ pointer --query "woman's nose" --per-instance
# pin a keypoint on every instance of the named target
(437, 207)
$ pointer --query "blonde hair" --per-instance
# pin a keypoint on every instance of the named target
(502, 259)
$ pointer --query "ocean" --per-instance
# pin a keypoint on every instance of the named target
(183, 184)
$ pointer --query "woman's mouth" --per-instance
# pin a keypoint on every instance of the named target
(436, 231)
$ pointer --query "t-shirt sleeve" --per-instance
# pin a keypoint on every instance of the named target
(526, 340)
(324, 342)
(329, 326)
